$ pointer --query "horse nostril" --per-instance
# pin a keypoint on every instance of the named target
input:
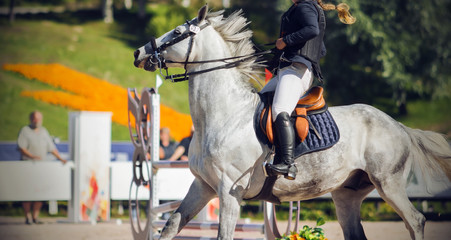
(136, 54)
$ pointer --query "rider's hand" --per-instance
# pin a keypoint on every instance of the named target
(280, 44)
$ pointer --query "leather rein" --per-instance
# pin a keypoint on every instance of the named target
(157, 58)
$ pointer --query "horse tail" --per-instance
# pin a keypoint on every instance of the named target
(434, 156)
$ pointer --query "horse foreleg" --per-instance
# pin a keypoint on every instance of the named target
(347, 203)
(228, 213)
(198, 196)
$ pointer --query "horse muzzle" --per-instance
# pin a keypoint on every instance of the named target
(148, 63)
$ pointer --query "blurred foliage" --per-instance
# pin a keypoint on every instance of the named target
(371, 210)
(28, 3)
(265, 26)
(166, 17)
(396, 49)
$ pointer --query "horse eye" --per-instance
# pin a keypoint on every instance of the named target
(177, 31)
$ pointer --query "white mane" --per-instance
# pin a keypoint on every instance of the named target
(234, 31)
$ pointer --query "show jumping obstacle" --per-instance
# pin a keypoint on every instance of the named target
(144, 124)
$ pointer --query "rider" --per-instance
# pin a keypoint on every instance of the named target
(301, 43)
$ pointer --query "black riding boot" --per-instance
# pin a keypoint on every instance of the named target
(284, 140)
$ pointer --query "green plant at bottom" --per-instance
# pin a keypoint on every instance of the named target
(307, 233)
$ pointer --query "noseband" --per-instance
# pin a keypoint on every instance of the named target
(157, 57)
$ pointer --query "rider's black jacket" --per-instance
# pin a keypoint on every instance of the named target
(302, 29)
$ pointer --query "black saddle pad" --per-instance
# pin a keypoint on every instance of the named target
(325, 136)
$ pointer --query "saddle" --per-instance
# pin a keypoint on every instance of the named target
(311, 103)
(315, 128)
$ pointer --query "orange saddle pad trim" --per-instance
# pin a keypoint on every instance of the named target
(301, 123)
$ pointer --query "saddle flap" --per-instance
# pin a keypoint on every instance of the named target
(266, 123)
(301, 124)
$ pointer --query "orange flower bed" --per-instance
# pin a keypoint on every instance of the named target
(87, 93)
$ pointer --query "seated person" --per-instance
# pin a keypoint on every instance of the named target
(181, 152)
(167, 147)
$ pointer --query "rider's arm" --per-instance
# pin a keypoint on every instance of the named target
(307, 20)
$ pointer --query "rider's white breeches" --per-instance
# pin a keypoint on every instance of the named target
(289, 85)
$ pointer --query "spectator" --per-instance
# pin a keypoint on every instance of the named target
(181, 152)
(167, 147)
(34, 143)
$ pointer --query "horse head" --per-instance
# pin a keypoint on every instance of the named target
(173, 48)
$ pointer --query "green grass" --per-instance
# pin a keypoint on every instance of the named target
(429, 115)
(15, 109)
(94, 48)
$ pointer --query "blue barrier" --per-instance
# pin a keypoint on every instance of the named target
(120, 151)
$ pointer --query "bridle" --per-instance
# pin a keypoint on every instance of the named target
(157, 57)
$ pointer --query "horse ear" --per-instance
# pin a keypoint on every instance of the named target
(202, 13)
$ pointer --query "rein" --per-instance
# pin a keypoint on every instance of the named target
(157, 57)
(185, 76)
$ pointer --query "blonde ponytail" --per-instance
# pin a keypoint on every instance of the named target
(342, 9)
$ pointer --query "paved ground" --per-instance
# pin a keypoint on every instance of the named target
(15, 229)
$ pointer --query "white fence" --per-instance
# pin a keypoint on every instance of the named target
(35, 181)
(172, 183)
(41, 181)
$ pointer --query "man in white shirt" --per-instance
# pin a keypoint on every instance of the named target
(34, 143)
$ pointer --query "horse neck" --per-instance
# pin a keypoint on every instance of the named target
(220, 94)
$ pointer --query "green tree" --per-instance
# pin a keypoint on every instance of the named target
(403, 45)
(264, 16)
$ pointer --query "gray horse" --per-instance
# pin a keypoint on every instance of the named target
(374, 151)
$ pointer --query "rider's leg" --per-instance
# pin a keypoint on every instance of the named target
(293, 82)
(284, 140)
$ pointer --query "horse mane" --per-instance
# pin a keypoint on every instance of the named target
(234, 31)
